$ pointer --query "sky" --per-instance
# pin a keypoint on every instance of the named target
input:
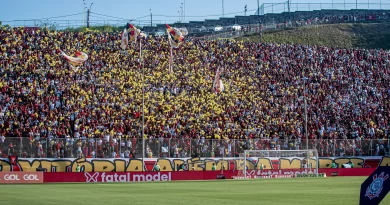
(164, 11)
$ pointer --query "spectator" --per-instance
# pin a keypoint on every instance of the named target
(47, 109)
(78, 168)
(156, 168)
(213, 168)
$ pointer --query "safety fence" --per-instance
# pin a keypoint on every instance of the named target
(115, 147)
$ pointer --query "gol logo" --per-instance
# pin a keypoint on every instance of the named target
(21, 177)
(27, 177)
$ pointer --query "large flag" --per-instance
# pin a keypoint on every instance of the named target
(75, 61)
(176, 35)
(218, 85)
(134, 32)
(175, 38)
(375, 188)
(125, 39)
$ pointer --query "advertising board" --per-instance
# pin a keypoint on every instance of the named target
(21, 177)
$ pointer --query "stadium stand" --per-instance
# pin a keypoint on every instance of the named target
(50, 110)
(293, 19)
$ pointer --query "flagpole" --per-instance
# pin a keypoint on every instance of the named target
(171, 61)
(143, 103)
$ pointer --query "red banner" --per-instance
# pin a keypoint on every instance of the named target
(21, 177)
(355, 172)
(93, 177)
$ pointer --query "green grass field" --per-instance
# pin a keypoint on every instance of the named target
(299, 191)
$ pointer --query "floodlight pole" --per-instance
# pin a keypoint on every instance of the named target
(222, 160)
(182, 12)
(288, 5)
(244, 164)
(151, 18)
(89, 13)
(223, 9)
(332, 5)
(84, 7)
(143, 103)
(306, 134)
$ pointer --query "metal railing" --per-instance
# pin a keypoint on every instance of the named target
(64, 24)
(281, 7)
(267, 11)
(181, 147)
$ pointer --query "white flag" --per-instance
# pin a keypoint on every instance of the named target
(75, 61)
(125, 39)
(221, 87)
(218, 85)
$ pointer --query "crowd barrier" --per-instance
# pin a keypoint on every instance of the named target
(169, 147)
(94, 177)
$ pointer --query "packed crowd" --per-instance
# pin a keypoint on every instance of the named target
(48, 109)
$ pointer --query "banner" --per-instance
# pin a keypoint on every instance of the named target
(310, 175)
(264, 177)
(94, 177)
(170, 164)
(375, 187)
(111, 177)
(21, 177)
(327, 171)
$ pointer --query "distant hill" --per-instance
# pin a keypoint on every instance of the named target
(368, 35)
